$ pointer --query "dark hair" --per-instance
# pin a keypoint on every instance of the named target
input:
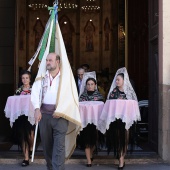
(92, 79)
(85, 65)
(25, 72)
(57, 57)
(121, 74)
(21, 74)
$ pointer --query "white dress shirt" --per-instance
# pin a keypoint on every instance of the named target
(51, 93)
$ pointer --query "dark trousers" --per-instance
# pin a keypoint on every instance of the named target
(52, 132)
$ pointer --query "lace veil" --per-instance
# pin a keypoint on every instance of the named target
(128, 89)
(85, 77)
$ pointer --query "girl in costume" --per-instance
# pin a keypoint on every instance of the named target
(117, 135)
(23, 131)
(88, 135)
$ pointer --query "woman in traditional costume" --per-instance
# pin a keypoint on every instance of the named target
(23, 131)
(117, 135)
(88, 135)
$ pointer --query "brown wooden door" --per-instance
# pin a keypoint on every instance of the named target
(138, 46)
(7, 39)
(143, 57)
(153, 74)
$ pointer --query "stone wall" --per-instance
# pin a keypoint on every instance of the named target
(164, 81)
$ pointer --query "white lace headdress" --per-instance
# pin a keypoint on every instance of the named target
(127, 87)
(85, 77)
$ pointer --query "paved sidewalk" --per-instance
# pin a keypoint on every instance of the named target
(11, 160)
(155, 166)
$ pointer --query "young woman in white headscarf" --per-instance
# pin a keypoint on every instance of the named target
(88, 135)
(117, 135)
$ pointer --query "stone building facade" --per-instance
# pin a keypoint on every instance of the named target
(95, 43)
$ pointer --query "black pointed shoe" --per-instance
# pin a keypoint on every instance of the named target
(88, 165)
(25, 163)
(122, 166)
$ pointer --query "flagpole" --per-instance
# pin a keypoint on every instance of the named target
(35, 137)
(36, 128)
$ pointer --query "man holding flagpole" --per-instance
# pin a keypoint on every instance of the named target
(54, 97)
(52, 128)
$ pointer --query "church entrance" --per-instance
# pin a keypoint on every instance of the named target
(127, 36)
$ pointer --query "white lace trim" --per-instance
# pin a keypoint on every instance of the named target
(15, 116)
(104, 124)
(89, 121)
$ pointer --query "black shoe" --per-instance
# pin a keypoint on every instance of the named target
(25, 163)
(122, 166)
(88, 165)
